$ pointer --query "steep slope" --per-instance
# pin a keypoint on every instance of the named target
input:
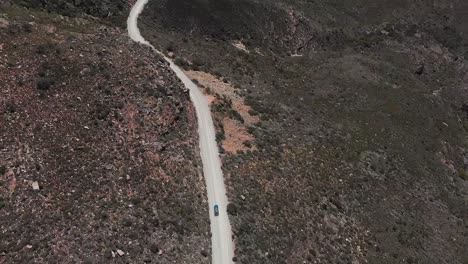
(359, 154)
(98, 148)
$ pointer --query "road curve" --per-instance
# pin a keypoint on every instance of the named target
(221, 235)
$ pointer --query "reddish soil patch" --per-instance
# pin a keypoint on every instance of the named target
(235, 132)
(236, 135)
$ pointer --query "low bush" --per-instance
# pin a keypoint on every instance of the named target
(171, 47)
(463, 174)
(253, 112)
(44, 84)
(182, 63)
(235, 115)
(232, 209)
(198, 61)
(220, 137)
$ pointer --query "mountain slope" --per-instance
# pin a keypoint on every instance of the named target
(359, 150)
(98, 148)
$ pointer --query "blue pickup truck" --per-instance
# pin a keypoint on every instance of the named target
(216, 210)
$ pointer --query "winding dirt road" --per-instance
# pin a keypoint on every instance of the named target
(221, 240)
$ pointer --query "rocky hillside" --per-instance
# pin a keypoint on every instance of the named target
(98, 148)
(359, 150)
(114, 11)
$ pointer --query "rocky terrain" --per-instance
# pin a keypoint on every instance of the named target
(98, 146)
(358, 154)
(342, 125)
(113, 11)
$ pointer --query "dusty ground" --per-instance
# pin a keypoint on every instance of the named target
(98, 148)
(235, 136)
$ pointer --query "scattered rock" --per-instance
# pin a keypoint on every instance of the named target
(50, 29)
(35, 186)
(12, 185)
(384, 32)
(4, 23)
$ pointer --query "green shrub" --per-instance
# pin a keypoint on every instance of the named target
(235, 115)
(232, 209)
(264, 117)
(217, 74)
(253, 112)
(463, 174)
(180, 62)
(171, 47)
(43, 84)
(219, 137)
(198, 61)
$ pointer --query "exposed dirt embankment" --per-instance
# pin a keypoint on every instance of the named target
(98, 148)
(232, 114)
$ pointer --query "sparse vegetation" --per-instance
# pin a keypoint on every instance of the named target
(104, 150)
(347, 82)
(253, 112)
(181, 63)
(364, 115)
